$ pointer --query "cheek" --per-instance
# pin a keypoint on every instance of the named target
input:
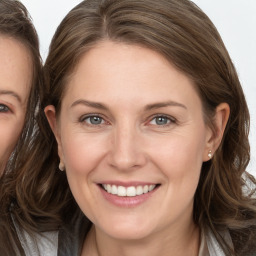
(81, 152)
(9, 134)
(180, 152)
(180, 159)
(188, 156)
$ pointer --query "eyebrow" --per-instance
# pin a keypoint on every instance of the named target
(147, 107)
(89, 104)
(11, 93)
(164, 104)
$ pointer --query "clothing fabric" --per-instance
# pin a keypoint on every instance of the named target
(209, 245)
(45, 244)
(203, 250)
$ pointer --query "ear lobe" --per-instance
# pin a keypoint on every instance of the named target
(220, 121)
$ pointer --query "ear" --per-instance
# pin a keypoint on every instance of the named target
(50, 113)
(214, 136)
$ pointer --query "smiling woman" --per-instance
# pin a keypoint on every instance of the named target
(137, 154)
(141, 97)
(20, 82)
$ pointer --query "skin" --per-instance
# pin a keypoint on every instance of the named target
(15, 83)
(129, 144)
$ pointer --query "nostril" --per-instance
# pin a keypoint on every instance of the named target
(128, 160)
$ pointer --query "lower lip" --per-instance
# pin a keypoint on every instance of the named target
(126, 201)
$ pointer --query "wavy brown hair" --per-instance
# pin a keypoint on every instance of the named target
(186, 37)
(16, 23)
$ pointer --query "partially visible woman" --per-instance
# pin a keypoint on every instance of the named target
(15, 84)
(16, 65)
(20, 86)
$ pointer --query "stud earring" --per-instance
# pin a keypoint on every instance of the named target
(210, 154)
(61, 166)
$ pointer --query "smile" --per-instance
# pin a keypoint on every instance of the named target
(130, 191)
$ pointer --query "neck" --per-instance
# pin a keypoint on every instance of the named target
(181, 243)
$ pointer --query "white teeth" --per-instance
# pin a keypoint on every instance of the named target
(109, 189)
(128, 191)
(145, 189)
(114, 190)
(131, 191)
(121, 191)
(151, 187)
(139, 190)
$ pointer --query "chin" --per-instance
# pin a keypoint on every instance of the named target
(127, 230)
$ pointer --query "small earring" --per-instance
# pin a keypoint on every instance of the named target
(210, 154)
(61, 166)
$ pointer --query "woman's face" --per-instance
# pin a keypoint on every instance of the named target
(132, 137)
(15, 83)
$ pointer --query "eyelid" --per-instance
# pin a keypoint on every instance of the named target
(171, 118)
(84, 117)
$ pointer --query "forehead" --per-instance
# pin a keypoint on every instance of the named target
(128, 71)
(16, 68)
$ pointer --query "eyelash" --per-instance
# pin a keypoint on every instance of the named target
(4, 108)
(169, 119)
(83, 119)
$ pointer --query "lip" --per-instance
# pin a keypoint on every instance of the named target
(127, 202)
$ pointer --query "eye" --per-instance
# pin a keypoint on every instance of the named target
(4, 108)
(93, 120)
(161, 120)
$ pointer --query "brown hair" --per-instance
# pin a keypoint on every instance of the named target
(16, 23)
(186, 37)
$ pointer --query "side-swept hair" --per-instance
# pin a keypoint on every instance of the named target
(15, 23)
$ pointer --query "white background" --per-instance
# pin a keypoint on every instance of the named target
(235, 20)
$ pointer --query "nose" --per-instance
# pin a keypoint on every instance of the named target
(126, 151)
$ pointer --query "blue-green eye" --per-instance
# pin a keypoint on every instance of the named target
(160, 120)
(94, 120)
(4, 109)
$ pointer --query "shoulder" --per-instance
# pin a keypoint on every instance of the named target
(37, 244)
(242, 241)
(45, 244)
(213, 246)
